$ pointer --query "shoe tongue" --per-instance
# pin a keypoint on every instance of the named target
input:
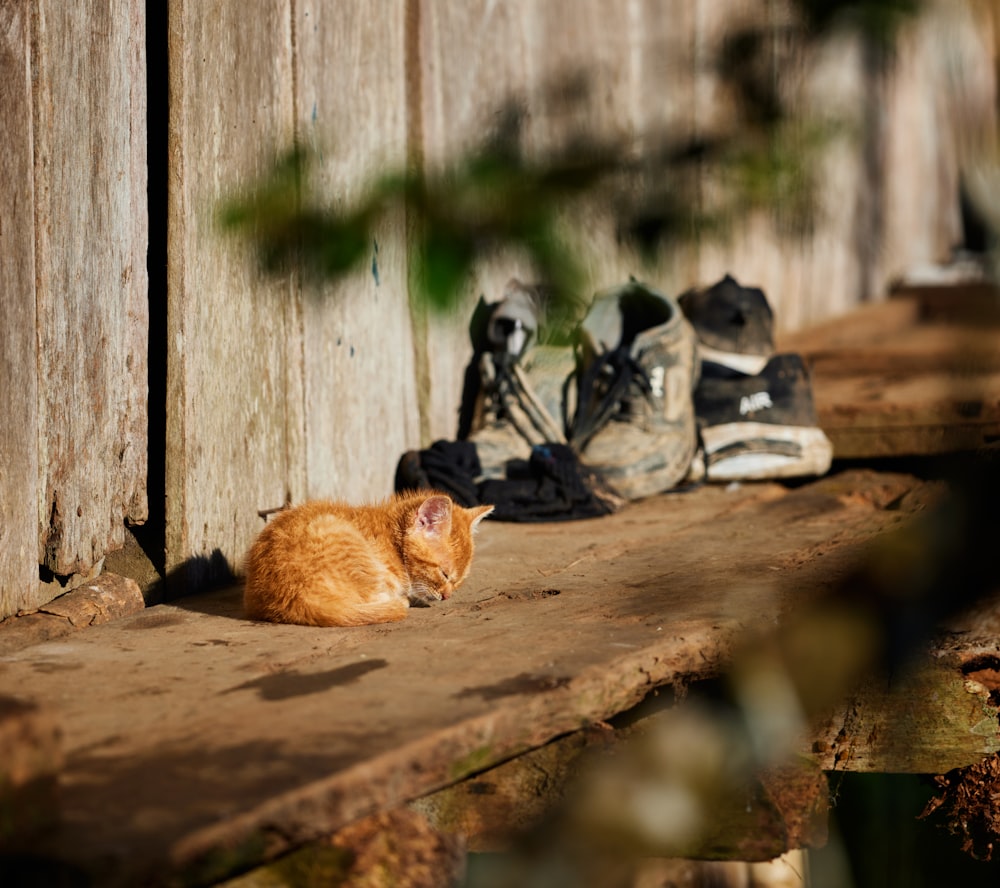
(621, 318)
(601, 329)
(514, 322)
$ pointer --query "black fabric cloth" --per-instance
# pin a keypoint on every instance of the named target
(552, 485)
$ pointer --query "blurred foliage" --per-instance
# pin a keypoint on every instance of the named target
(878, 20)
(499, 195)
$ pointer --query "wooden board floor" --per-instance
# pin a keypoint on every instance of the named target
(197, 742)
(918, 374)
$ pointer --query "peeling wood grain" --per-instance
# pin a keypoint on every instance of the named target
(235, 424)
(100, 600)
(18, 382)
(106, 598)
(358, 349)
(91, 234)
(930, 719)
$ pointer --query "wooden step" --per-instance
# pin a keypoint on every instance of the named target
(198, 744)
(918, 374)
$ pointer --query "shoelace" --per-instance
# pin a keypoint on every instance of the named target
(511, 386)
(603, 387)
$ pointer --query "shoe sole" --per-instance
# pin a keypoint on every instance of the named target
(756, 451)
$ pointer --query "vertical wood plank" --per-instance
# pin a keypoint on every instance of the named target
(19, 585)
(640, 63)
(472, 57)
(809, 276)
(943, 85)
(92, 233)
(234, 410)
(360, 381)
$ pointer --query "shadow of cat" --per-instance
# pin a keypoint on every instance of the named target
(203, 584)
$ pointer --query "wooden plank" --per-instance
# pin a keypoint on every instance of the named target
(106, 598)
(391, 848)
(959, 296)
(235, 426)
(935, 716)
(91, 235)
(207, 743)
(920, 351)
(906, 377)
(862, 326)
(19, 586)
(759, 816)
(358, 349)
(495, 808)
(468, 59)
(866, 416)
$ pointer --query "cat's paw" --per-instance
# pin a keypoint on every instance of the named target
(422, 596)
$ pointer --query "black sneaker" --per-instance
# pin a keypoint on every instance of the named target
(759, 426)
(634, 419)
(515, 387)
(734, 325)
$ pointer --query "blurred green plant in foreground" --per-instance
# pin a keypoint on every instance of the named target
(678, 186)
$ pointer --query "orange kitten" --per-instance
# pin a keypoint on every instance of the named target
(333, 564)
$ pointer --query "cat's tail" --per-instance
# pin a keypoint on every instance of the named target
(324, 611)
(352, 613)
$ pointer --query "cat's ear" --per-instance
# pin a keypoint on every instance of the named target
(433, 517)
(478, 514)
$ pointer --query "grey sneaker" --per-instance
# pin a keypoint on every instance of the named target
(634, 418)
(515, 387)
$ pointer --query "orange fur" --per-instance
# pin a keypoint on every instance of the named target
(328, 563)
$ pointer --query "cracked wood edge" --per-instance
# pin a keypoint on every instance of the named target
(938, 715)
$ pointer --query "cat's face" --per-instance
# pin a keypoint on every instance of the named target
(439, 547)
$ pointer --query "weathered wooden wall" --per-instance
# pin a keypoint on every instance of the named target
(360, 386)
(18, 380)
(73, 252)
(91, 285)
(282, 389)
(888, 176)
(638, 58)
(234, 397)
